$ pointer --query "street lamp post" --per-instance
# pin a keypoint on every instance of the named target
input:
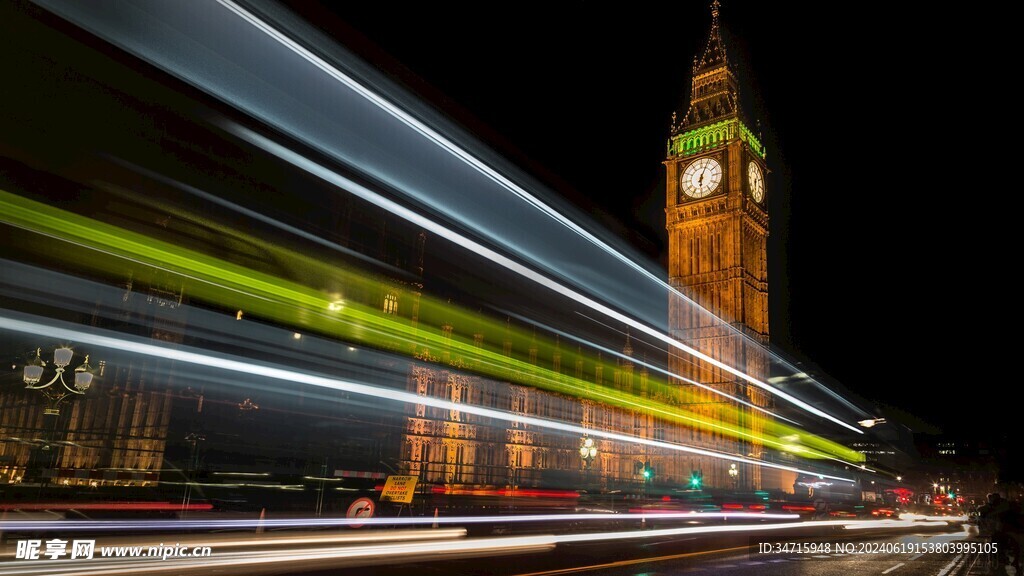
(33, 374)
(193, 440)
(871, 422)
(588, 451)
(56, 390)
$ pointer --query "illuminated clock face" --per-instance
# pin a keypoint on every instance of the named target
(701, 178)
(756, 181)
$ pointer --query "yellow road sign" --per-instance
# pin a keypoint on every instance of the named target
(398, 489)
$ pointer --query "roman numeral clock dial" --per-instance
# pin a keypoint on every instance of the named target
(756, 181)
(701, 178)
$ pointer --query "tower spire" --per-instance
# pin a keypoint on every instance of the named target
(715, 92)
(714, 52)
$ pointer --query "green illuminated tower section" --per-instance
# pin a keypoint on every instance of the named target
(717, 229)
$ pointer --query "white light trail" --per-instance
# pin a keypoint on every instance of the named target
(865, 524)
(176, 50)
(911, 516)
(433, 136)
(249, 367)
(250, 213)
(640, 362)
(366, 553)
(224, 524)
(365, 193)
(406, 551)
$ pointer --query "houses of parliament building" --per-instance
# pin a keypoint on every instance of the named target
(147, 422)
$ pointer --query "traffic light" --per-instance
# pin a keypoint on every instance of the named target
(696, 480)
(648, 471)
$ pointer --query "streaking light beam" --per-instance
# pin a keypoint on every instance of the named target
(249, 367)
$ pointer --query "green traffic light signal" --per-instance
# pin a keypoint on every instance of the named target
(695, 480)
(648, 471)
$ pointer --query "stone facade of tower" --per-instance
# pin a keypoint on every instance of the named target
(717, 226)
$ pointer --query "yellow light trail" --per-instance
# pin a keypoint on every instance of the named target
(232, 286)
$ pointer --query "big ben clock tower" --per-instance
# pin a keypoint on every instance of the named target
(717, 229)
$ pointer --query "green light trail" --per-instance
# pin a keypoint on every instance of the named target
(290, 303)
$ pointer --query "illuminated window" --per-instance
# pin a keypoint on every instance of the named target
(459, 461)
(391, 303)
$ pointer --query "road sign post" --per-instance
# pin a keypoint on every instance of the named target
(361, 508)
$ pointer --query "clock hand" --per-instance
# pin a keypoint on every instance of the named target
(702, 173)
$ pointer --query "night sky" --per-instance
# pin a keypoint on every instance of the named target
(882, 271)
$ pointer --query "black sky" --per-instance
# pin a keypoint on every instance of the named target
(880, 266)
